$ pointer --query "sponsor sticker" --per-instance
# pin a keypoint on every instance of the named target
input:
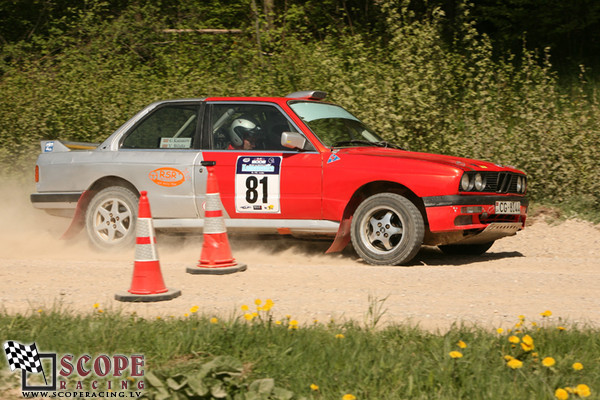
(167, 177)
(48, 147)
(333, 158)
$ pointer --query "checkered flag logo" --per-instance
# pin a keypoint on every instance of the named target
(23, 357)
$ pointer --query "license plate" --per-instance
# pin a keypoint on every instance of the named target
(508, 207)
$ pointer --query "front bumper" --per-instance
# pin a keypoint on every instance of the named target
(470, 213)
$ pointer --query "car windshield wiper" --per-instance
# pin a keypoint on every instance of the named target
(382, 143)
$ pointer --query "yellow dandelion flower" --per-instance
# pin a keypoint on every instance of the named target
(518, 324)
(314, 387)
(583, 390)
(40, 311)
(288, 316)
(156, 317)
(522, 317)
(455, 354)
(527, 344)
(535, 354)
(100, 311)
(514, 339)
(462, 344)
(534, 324)
(293, 327)
(349, 396)
(248, 316)
(244, 307)
(186, 315)
(194, 309)
(570, 389)
(546, 313)
(258, 302)
(339, 336)
(508, 357)
(293, 322)
(277, 322)
(561, 328)
(214, 320)
(255, 314)
(578, 366)
(96, 305)
(561, 394)
(548, 362)
(500, 331)
(526, 347)
(514, 363)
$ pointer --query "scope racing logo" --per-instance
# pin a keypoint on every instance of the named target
(103, 376)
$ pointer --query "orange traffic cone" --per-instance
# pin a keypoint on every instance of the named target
(147, 284)
(216, 258)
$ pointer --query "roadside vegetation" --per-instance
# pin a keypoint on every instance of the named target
(257, 354)
(92, 68)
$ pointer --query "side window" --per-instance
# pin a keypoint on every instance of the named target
(247, 127)
(169, 127)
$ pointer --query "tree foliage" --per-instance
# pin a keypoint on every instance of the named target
(80, 75)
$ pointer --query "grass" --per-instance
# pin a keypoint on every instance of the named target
(332, 360)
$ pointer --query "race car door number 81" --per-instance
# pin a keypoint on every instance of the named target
(257, 184)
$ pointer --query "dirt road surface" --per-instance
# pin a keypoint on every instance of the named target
(552, 267)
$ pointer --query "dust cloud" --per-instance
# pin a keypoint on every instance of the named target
(30, 233)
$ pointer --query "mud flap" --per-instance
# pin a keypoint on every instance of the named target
(342, 237)
(78, 221)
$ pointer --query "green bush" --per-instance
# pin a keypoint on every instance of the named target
(409, 84)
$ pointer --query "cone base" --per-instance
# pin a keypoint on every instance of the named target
(146, 298)
(216, 270)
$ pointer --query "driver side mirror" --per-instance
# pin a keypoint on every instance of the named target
(293, 140)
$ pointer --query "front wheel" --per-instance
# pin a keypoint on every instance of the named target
(387, 229)
(110, 218)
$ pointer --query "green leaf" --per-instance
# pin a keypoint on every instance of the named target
(218, 391)
(262, 385)
(197, 385)
(153, 380)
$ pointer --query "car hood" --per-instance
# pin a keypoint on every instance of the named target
(465, 164)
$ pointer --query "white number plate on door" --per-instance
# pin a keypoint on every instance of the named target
(257, 184)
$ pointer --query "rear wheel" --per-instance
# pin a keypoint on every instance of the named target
(466, 249)
(110, 218)
(387, 229)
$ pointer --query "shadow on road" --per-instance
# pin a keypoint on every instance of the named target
(278, 245)
(433, 256)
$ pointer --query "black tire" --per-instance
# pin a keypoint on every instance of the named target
(466, 249)
(110, 218)
(387, 229)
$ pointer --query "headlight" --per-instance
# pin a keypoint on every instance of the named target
(479, 183)
(465, 183)
(519, 184)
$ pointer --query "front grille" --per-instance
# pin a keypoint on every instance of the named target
(500, 182)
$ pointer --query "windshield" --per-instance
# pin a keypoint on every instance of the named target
(334, 126)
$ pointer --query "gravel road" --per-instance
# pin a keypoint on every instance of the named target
(545, 267)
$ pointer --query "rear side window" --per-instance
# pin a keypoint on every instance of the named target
(169, 127)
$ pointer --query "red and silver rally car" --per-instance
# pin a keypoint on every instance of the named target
(289, 165)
